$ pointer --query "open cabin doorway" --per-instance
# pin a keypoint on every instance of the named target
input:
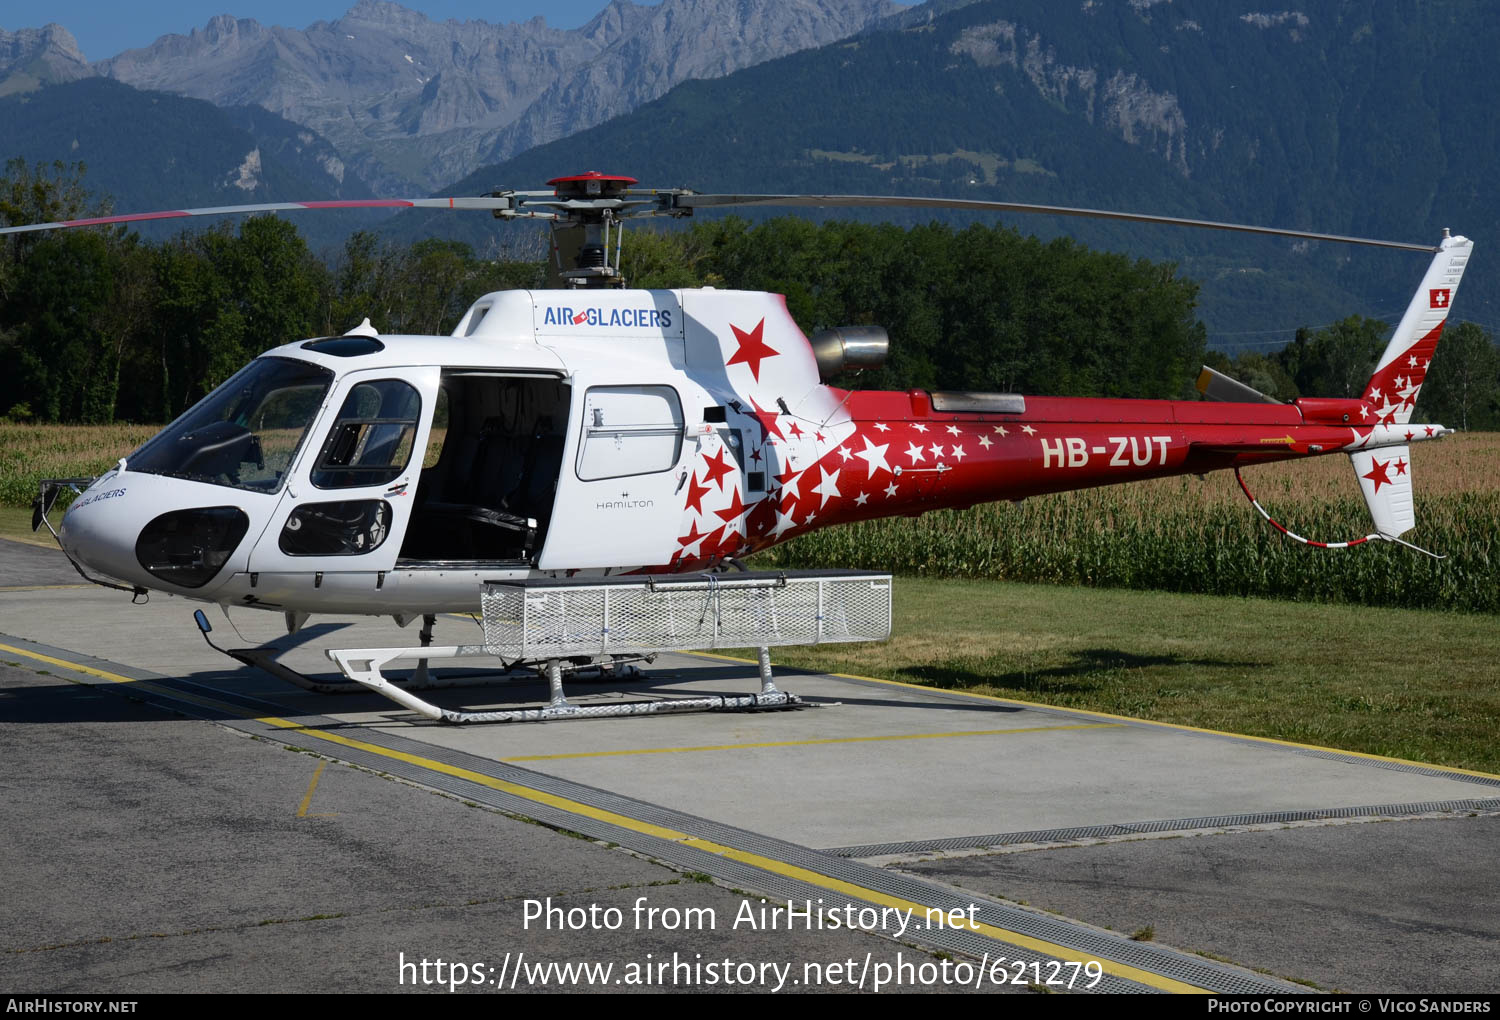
(489, 480)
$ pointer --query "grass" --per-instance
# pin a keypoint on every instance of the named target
(1412, 684)
(15, 524)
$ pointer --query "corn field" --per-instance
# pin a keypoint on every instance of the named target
(29, 453)
(1191, 535)
(1175, 534)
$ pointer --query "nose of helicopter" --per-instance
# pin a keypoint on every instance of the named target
(152, 532)
(98, 532)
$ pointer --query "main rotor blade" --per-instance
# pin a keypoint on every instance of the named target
(713, 201)
(222, 210)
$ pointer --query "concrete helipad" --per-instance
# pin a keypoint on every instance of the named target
(840, 800)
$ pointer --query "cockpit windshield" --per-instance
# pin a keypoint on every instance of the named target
(245, 433)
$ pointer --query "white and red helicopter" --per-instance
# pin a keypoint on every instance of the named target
(597, 430)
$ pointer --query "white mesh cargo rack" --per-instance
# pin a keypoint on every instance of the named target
(544, 622)
(544, 618)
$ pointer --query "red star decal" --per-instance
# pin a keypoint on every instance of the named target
(819, 437)
(695, 494)
(1377, 474)
(713, 544)
(733, 510)
(795, 431)
(755, 456)
(1409, 434)
(692, 536)
(753, 349)
(1429, 430)
(716, 469)
(1400, 467)
(762, 515)
(767, 421)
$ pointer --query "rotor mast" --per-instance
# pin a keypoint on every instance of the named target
(587, 212)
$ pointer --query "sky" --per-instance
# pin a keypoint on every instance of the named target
(104, 29)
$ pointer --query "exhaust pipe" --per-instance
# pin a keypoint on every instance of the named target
(849, 349)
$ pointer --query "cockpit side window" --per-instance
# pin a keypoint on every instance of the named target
(244, 434)
(371, 440)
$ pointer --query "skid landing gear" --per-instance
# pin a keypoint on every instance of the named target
(265, 659)
(363, 666)
(592, 628)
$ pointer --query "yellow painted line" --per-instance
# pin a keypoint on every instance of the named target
(647, 828)
(276, 722)
(76, 667)
(458, 772)
(43, 587)
(144, 685)
(31, 540)
(1144, 977)
(809, 743)
(1132, 720)
(307, 798)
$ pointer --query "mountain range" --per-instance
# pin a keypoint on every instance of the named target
(412, 102)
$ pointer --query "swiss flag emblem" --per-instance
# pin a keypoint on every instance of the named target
(1439, 297)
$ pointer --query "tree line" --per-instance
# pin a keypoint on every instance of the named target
(99, 325)
(1461, 390)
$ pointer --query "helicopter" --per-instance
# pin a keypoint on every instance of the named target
(595, 430)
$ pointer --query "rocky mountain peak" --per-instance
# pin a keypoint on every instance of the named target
(32, 57)
(384, 14)
(410, 101)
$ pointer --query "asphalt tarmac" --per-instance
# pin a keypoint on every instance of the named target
(181, 823)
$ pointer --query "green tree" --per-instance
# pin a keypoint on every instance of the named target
(224, 297)
(1462, 390)
(1336, 361)
(424, 288)
(1262, 372)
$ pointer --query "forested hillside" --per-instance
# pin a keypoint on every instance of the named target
(152, 150)
(132, 141)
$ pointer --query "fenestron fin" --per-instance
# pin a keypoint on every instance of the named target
(1403, 367)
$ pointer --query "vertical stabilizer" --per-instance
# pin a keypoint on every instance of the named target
(1403, 367)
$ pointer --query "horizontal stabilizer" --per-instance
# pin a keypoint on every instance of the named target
(1228, 390)
(1385, 478)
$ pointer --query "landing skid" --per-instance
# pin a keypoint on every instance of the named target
(421, 680)
(363, 666)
